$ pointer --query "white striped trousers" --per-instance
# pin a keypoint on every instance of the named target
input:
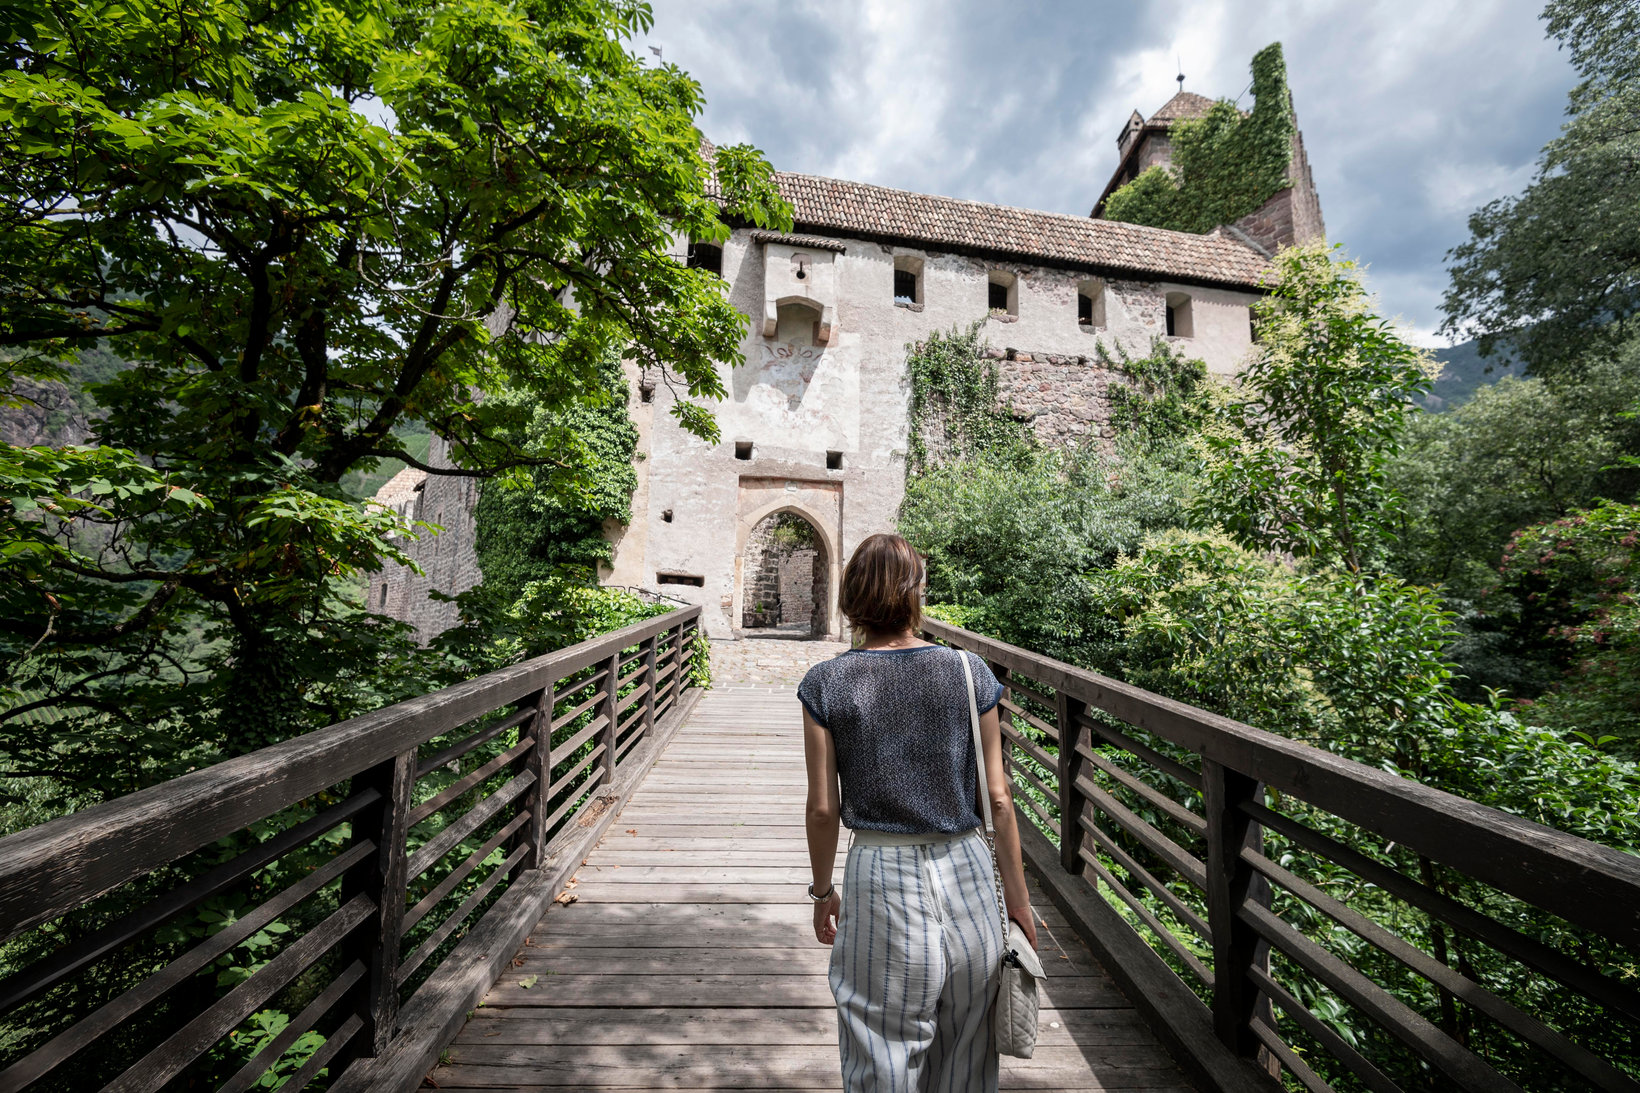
(914, 966)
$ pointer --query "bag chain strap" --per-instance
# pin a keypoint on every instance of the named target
(985, 795)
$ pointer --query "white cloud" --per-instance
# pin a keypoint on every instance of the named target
(1413, 112)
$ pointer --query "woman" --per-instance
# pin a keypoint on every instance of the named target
(915, 932)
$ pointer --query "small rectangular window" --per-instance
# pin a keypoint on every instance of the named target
(908, 281)
(743, 449)
(1179, 324)
(384, 596)
(1002, 293)
(1084, 309)
(694, 579)
(707, 257)
(834, 461)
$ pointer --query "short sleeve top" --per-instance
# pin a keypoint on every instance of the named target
(899, 721)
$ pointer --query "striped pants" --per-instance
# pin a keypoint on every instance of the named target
(914, 965)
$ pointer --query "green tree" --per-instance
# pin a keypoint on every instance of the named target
(1223, 165)
(1303, 465)
(1554, 273)
(554, 518)
(304, 226)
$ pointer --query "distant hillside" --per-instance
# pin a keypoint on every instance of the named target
(1463, 372)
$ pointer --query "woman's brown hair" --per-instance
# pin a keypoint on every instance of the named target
(882, 585)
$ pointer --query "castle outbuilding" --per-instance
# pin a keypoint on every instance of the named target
(815, 427)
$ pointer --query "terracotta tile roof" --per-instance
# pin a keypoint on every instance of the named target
(815, 242)
(401, 486)
(831, 206)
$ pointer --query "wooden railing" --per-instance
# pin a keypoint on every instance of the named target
(367, 881)
(1286, 917)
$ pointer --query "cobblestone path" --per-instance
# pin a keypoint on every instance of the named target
(767, 660)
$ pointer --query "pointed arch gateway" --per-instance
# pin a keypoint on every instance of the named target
(787, 560)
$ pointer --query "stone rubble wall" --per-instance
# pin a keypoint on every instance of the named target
(761, 574)
(1066, 400)
(797, 586)
(449, 559)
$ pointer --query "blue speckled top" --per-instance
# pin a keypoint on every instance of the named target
(905, 751)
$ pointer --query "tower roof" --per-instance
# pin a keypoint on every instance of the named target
(1186, 104)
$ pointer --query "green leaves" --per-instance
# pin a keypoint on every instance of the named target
(1223, 165)
(1326, 394)
(1554, 272)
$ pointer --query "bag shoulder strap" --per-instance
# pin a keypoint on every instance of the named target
(979, 747)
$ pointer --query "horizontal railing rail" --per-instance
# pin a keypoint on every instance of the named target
(313, 906)
(1286, 915)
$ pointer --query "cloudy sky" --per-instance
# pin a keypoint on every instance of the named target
(1413, 111)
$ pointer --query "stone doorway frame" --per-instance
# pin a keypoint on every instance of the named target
(768, 496)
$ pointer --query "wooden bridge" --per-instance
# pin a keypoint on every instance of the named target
(580, 873)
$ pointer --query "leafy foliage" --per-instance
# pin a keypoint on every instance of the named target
(1581, 576)
(311, 232)
(1001, 523)
(954, 410)
(1304, 464)
(1224, 165)
(1553, 274)
(554, 518)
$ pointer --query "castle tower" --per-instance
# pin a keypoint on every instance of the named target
(1292, 215)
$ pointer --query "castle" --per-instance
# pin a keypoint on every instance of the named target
(815, 427)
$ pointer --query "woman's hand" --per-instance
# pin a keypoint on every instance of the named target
(1027, 922)
(825, 917)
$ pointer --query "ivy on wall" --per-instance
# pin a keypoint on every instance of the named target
(1224, 165)
(554, 518)
(955, 409)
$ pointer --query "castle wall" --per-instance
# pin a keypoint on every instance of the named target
(795, 400)
(448, 558)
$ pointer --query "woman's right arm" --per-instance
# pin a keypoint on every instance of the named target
(1010, 860)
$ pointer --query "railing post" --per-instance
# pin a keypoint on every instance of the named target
(383, 879)
(539, 762)
(612, 688)
(674, 683)
(1068, 714)
(651, 646)
(1231, 885)
(686, 650)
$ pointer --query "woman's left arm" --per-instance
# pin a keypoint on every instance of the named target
(820, 820)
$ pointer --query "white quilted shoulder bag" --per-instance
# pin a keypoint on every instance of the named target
(1014, 1013)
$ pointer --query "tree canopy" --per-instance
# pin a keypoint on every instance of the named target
(1554, 272)
(303, 226)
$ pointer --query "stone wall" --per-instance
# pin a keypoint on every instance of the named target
(761, 578)
(781, 581)
(1293, 215)
(1066, 400)
(797, 586)
(448, 559)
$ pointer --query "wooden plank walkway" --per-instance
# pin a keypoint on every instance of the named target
(686, 960)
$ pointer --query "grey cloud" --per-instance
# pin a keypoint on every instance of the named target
(1413, 113)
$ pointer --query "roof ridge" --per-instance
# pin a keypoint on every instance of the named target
(1077, 218)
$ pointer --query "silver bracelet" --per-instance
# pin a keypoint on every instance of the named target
(822, 898)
